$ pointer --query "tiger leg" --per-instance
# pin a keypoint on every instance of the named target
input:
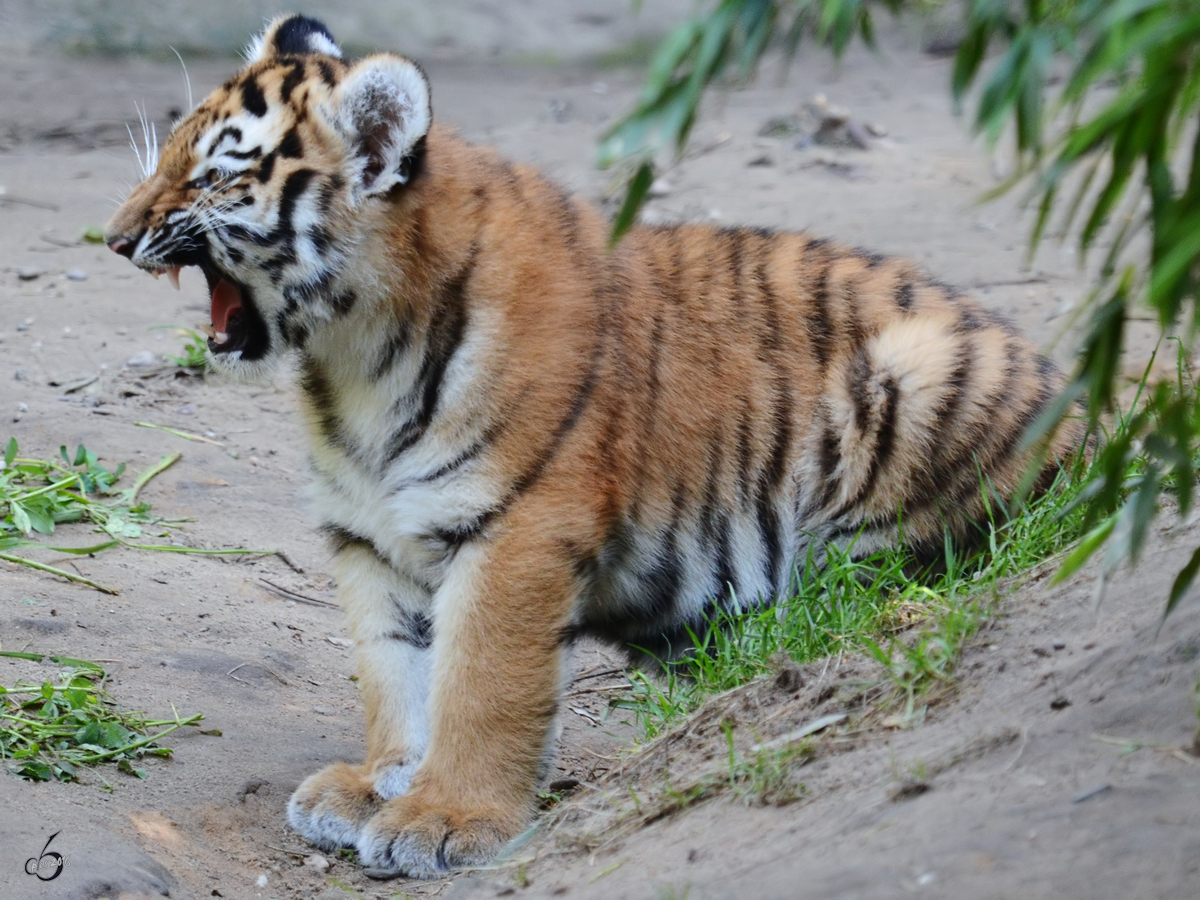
(392, 636)
(498, 655)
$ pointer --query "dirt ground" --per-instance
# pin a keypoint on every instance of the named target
(1018, 795)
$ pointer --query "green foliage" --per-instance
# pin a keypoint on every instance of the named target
(37, 495)
(732, 38)
(195, 347)
(1111, 153)
(53, 729)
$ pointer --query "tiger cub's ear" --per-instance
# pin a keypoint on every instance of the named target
(382, 107)
(293, 36)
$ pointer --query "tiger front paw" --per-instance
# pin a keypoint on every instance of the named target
(413, 838)
(331, 807)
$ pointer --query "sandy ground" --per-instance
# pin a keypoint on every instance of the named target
(208, 635)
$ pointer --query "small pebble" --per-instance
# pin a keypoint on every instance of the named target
(19, 375)
(28, 273)
(1091, 792)
(1060, 703)
(320, 863)
(262, 881)
(660, 187)
(22, 407)
(186, 410)
(210, 434)
(1059, 645)
(143, 359)
(76, 275)
(858, 135)
(22, 327)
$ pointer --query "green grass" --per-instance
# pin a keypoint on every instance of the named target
(195, 347)
(53, 730)
(914, 620)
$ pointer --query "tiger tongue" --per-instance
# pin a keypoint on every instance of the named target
(226, 300)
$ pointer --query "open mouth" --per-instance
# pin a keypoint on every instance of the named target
(237, 330)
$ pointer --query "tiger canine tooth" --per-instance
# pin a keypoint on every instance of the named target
(222, 337)
(173, 276)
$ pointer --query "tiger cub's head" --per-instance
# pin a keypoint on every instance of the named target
(266, 185)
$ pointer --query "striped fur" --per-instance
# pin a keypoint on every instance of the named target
(519, 436)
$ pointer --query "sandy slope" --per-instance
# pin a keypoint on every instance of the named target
(1000, 825)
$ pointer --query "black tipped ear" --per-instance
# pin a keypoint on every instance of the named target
(294, 35)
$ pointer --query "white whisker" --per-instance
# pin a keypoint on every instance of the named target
(186, 79)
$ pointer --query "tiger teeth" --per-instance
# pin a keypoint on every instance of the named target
(173, 276)
(222, 337)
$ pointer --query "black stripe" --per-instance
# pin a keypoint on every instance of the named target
(321, 239)
(829, 455)
(343, 302)
(293, 188)
(253, 153)
(736, 245)
(533, 474)
(859, 373)
(415, 628)
(819, 329)
(454, 536)
(485, 441)
(393, 348)
(291, 147)
(968, 321)
(570, 219)
(775, 469)
(229, 131)
(327, 73)
(960, 470)
(315, 383)
(904, 295)
(726, 577)
(446, 335)
(253, 99)
(745, 461)
(341, 538)
(291, 81)
(881, 452)
(661, 584)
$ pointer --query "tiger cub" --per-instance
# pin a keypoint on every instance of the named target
(520, 436)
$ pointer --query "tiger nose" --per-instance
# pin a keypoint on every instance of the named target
(122, 245)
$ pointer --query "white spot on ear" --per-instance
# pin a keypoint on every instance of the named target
(382, 107)
(318, 43)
